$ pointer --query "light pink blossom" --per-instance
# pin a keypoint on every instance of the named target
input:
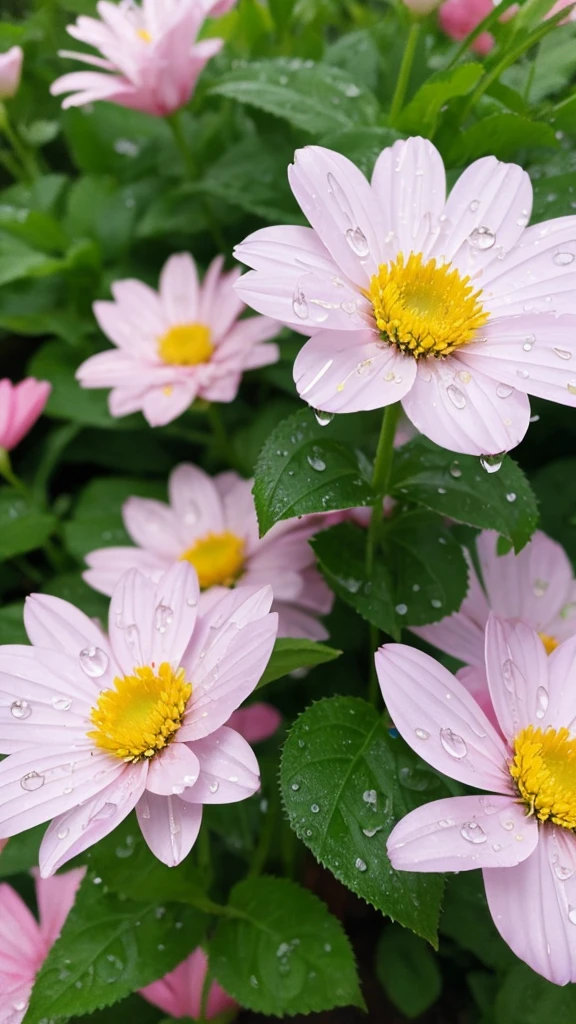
(256, 723)
(181, 343)
(527, 852)
(98, 725)
(25, 942)
(462, 276)
(10, 72)
(211, 522)
(149, 58)
(179, 994)
(460, 17)
(20, 406)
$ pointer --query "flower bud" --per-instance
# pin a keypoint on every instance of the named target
(10, 72)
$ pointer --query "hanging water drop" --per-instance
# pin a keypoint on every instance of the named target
(323, 418)
(492, 463)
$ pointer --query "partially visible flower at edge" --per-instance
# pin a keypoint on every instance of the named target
(460, 17)
(20, 406)
(181, 343)
(179, 994)
(148, 54)
(25, 942)
(10, 72)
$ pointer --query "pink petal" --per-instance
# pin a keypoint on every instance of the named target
(153, 526)
(107, 565)
(219, 303)
(410, 184)
(458, 407)
(172, 770)
(21, 945)
(19, 996)
(440, 720)
(136, 341)
(538, 274)
(195, 503)
(45, 696)
(489, 194)
(179, 289)
(141, 305)
(462, 833)
(256, 723)
(533, 906)
(462, 633)
(229, 770)
(345, 371)
(69, 834)
(342, 208)
(295, 622)
(55, 898)
(517, 671)
(474, 680)
(532, 352)
(562, 671)
(163, 405)
(59, 625)
(169, 826)
(180, 993)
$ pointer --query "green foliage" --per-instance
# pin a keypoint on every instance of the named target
(407, 971)
(23, 525)
(289, 655)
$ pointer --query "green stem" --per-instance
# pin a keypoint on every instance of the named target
(221, 439)
(381, 476)
(9, 475)
(175, 124)
(204, 997)
(405, 70)
(22, 152)
(261, 852)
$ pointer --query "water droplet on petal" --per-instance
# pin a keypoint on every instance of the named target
(482, 238)
(541, 701)
(456, 396)
(529, 343)
(61, 703)
(323, 418)
(214, 786)
(571, 385)
(563, 353)
(453, 743)
(163, 617)
(20, 709)
(562, 873)
(563, 259)
(63, 833)
(504, 391)
(572, 915)
(299, 304)
(474, 205)
(539, 588)
(32, 781)
(93, 661)
(421, 734)
(357, 241)
(473, 832)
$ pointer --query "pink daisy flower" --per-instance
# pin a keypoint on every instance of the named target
(451, 306)
(211, 523)
(179, 994)
(98, 725)
(25, 942)
(521, 830)
(182, 343)
(20, 406)
(149, 56)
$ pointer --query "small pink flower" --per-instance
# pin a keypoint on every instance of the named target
(182, 343)
(460, 17)
(453, 307)
(20, 406)
(179, 994)
(25, 942)
(211, 523)
(98, 725)
(521, 830)
(149, 54)
(10, 72)
(256, 723)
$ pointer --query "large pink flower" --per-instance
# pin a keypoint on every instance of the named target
(25, 942)
(148, 53)
(521, 830)
(20, 406)
(211, 523)
(179, 994)
(182, 343)
(96, 726)
(453, 306)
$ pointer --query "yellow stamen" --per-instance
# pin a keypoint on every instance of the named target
(218, 559)
(550, 642)
(144, 34)
(423, 308)
(142, 713)
(544, 770)
(186, 345)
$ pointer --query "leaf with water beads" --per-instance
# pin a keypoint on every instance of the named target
(292, 654)
(23, 526)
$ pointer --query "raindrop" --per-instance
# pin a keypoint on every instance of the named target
(496, 847)
(457, 397)
(93, 661)
(441, 490)
(572, 915)
(474, 205)
(563, 259)
(563, 353)
(455, 470)
(504, 391)
(371, 832)
(315, 462)
(32, 781)
(401, 609)
(529, 342)
(436, 603)
(295, 787)
(63, 833)
(541, 701)
(492, 463)
(314, 808)
(563, 874)
(357, 241)
(20, 709)
(511, 497)
(421, 734)
(323, 418)
(299, 304)
(508, 675)
(482, 238)
(370, 796)
(453, 743)
(473, 832)
(359, 864)
(539, 588)
(254, 981)
(523, 374)
(163, 616)
(214, 786)
(61, 703)
(444, 823)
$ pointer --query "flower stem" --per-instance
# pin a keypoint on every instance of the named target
(22, 153)
(381, 476)
(9, 475)
(221, 440)
(405, 70)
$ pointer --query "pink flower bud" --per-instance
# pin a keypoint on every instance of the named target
(179, 994)
(10, 72)
(20, 406)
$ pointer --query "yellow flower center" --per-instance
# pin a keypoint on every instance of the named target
(544, 770)
(423, 308)
(144, 34)
(142, 713)
(218, 559)
(186, 345)
(550, 642)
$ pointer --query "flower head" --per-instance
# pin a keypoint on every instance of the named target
(149, 56)
(98, 725)
(521, 830)
(25, 942)
(173, 346)
(179, 994)
(460, 17)
(451, 306)
(10, 72)
(20, 406)
(211, 523)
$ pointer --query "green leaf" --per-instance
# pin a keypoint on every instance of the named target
(345, 783)
(526, 998)
(282, 952)
(555, 487)
(289, 655)
(357, 54)
(341, 552)
(317, 98)
(231, 179)
(408, 971)
(362, 145)
(108, 948)
(38, 230)
(467, 921)
(12, 625)
(501, 135)
(457, 487)
(554, 196)
(21, 853)
(97, 519)
(70, 587)
(23, 526)
(421, 114)
(18, 260)
(303, 469)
